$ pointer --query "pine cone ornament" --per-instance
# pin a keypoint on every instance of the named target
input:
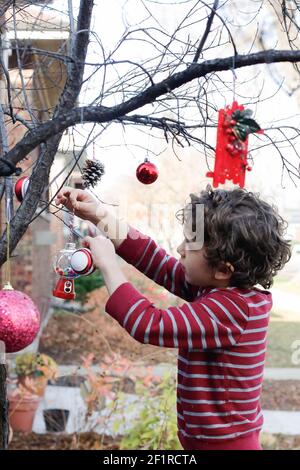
(92, 172)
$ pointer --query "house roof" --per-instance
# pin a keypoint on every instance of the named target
(37, 22)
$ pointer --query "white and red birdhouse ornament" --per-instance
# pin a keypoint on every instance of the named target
(234, 126)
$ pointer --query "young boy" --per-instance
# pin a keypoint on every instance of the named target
(220, 331)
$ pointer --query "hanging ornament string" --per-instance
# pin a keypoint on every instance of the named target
(8, 213)
(7, 279)
(233, 78)
(70, 215)
(71, 227)
(9, 206)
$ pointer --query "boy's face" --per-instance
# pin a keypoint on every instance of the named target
(197, 270)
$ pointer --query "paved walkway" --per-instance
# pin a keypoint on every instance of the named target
(270, 373)
(282, 373)
(285, 305)
(282, 422)
(276, 422)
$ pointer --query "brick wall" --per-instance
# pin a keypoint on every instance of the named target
(31, 263)
(31, 267)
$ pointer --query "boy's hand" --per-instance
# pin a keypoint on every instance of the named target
(81, 203)
(103, 251)
(104, 257)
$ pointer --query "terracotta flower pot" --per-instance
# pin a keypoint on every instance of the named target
(22, 411)
(35, 385)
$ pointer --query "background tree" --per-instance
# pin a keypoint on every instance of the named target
(167, 82)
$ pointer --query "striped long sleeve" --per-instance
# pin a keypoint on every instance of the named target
(213, 321)
(221, 337)
(152, 260)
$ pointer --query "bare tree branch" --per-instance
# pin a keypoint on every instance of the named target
(40, 174)
(207, 31)
(62, 120)
(7, 77)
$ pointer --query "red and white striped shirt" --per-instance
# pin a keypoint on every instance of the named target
(221, 337)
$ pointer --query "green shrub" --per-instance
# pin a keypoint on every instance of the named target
(36, 364)
(155, 427)
(86, 284)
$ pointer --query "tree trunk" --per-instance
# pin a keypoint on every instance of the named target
(3, 409)
(42, 168)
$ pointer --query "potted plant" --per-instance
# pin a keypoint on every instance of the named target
(34, 370)
(22, 408)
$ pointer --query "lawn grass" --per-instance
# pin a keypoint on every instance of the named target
(281, 336)
(289, 285)
(279, 442)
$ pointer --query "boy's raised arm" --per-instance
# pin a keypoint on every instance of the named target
(85, 206)
(217, 320)
(134, 247)
(152, 260)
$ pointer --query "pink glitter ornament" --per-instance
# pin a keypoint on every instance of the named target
(19, 319)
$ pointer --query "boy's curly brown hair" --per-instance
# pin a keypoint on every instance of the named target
(243, 230)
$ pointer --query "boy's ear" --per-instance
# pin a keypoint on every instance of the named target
(224, 271)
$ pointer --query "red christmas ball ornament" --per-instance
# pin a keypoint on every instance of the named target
(19, 319)
(21, 187)
(147, 172)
